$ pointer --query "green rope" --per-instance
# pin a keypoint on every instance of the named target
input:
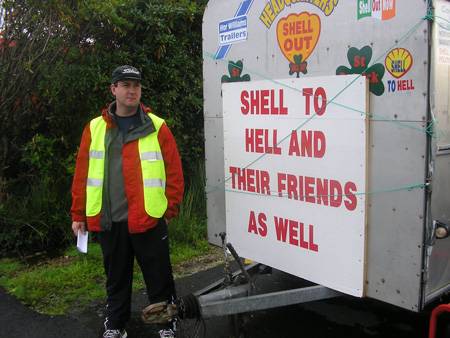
(382, 118)
(427, 130)
(379, 191)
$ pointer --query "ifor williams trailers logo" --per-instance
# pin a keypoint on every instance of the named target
(378, 9)
(233, 30)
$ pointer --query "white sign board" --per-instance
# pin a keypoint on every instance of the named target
(295, 176)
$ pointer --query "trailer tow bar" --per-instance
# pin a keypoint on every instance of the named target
(235, 296)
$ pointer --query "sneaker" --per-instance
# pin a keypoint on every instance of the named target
(115, 334)
(167, 333)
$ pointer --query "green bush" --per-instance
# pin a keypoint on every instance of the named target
(190, 225)
(55, 65)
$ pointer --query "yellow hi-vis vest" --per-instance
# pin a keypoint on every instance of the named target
(152, 166)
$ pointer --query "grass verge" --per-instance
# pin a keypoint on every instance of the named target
(73, 280)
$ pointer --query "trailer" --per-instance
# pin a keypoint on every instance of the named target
(400, 140)
(327, 137)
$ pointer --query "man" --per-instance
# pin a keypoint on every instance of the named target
(128, 184)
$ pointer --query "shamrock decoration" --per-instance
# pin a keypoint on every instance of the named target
(359, 60)
(298, 66)
(235, 70)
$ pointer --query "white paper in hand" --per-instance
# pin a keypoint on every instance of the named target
(82, 241)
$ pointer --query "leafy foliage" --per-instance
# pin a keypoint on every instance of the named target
(190, 225)
(55, 63)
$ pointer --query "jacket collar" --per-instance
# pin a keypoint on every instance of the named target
(147, 126)
(109, 115)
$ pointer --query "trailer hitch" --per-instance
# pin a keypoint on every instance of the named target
(241, 266)
(232, 286)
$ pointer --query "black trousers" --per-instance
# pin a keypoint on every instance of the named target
(151, 250)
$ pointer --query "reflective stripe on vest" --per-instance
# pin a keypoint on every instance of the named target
(152, 167)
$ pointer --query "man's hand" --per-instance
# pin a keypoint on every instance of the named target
(78, 226)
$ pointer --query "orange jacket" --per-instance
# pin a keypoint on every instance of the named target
(138, 219)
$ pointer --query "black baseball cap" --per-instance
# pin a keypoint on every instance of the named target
(125, 72)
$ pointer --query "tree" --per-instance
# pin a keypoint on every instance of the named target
(55, 62)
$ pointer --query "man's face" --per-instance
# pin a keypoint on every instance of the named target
(127, 93)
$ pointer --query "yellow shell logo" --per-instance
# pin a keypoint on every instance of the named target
(398, 62)
(298, 34)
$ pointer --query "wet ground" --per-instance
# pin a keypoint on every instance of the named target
(343, 316)
(338, 317)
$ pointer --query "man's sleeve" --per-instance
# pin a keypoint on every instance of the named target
(78, 209)
(174, 171)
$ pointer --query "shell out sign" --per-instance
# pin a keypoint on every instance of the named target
(378, 9)
(298, 34)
